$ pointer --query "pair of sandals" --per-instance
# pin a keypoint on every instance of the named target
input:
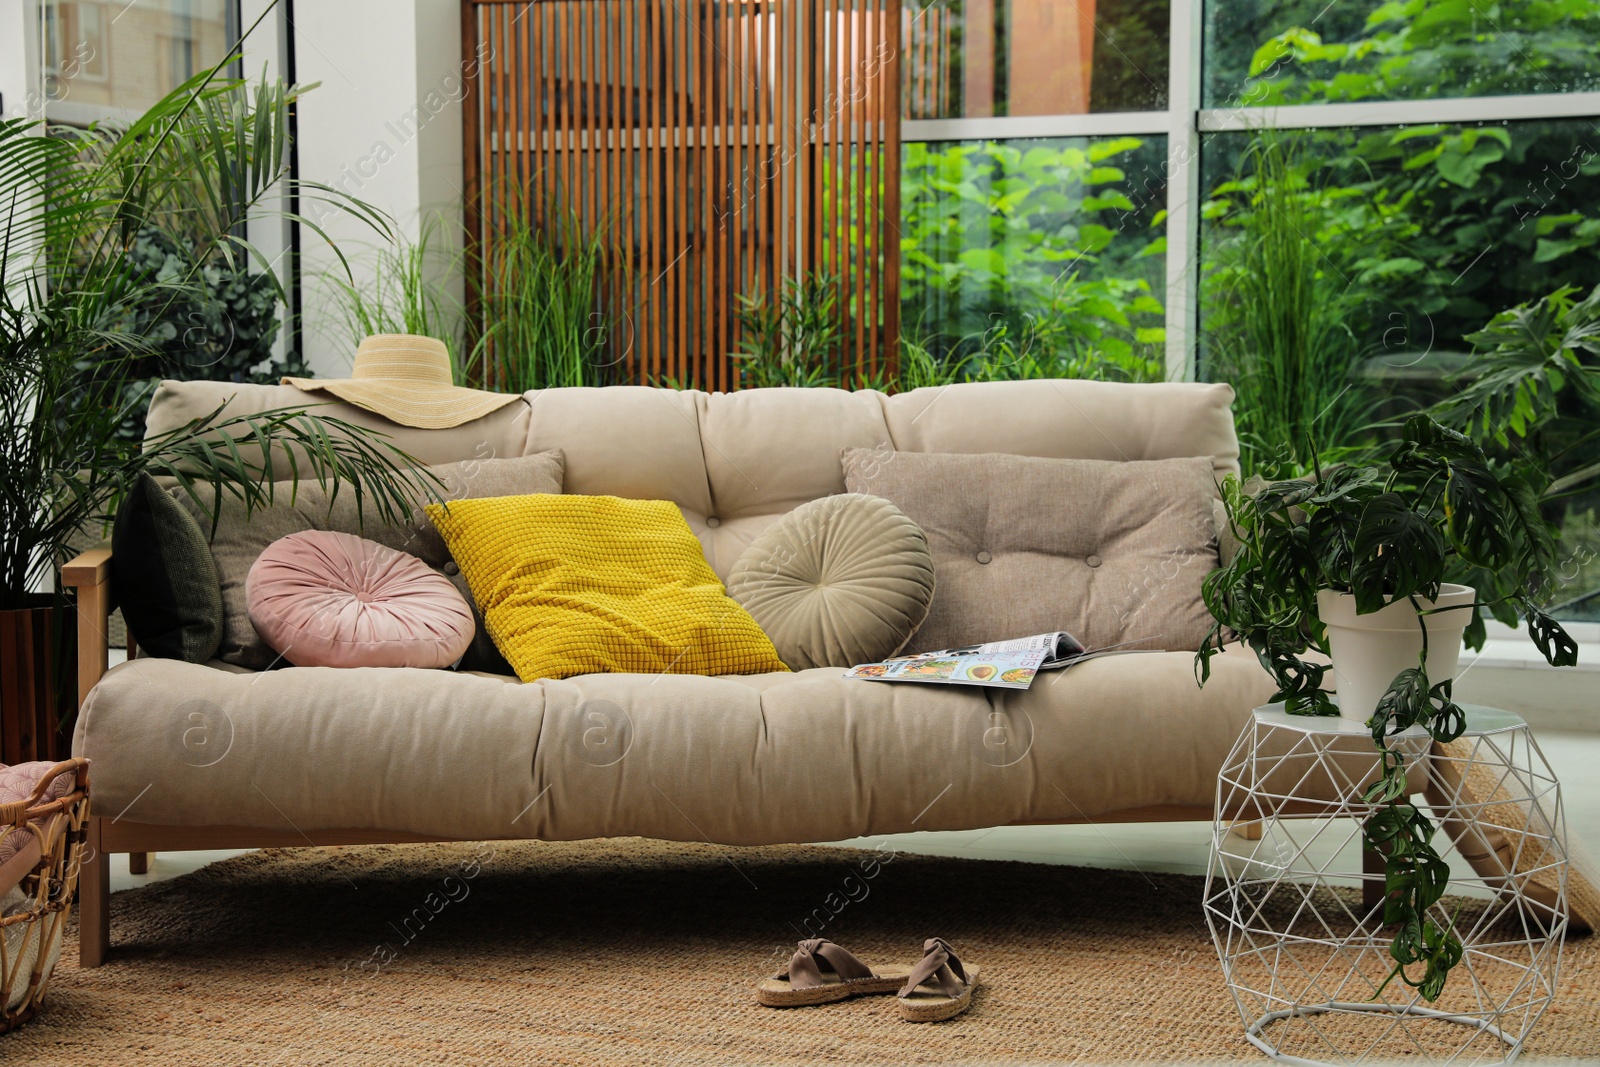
(938, 987)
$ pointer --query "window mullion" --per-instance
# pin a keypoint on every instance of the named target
(1183, 188)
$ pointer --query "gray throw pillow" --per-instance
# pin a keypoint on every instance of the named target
(1113, 552)
(239, 541)
(164, 577)
(842, 580)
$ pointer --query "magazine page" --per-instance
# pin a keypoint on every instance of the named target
(1001, 664)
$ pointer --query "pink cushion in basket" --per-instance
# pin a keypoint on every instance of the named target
(17, 782)
(325, 599)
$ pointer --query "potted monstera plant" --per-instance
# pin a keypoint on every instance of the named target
(1353, 562)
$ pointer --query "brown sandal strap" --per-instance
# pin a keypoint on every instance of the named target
(938, 961)
(805, 972)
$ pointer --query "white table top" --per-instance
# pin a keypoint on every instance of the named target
(1480, 720)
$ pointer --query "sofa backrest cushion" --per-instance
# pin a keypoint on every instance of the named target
(500, 435)
(1070, 419)
(737, 462)
(1112, 551)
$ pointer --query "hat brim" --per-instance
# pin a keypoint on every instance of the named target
(424, 407)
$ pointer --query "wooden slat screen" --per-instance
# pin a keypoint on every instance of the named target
(930, 32)
(719, 146)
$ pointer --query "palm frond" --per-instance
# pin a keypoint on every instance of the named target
(245, 457)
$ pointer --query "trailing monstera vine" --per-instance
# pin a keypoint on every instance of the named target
(1383, 532)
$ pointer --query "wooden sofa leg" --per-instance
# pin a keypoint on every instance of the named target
(138, 863)
(94, 901)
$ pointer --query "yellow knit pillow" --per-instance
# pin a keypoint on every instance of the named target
(589, 584)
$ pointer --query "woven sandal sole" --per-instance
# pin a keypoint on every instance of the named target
(776, 993)
(929, 1004)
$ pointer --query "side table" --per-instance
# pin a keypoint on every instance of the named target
(1297, 922)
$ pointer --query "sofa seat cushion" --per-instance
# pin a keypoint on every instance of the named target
(746, 759)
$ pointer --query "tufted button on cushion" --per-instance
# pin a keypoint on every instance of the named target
(1093, 561)
(841, 580)
(984, 557)
(713, 521)
(326, 599)
(451, 569)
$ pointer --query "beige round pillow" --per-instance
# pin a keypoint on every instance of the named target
(845, 579)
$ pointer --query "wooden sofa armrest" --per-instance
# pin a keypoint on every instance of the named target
(90, 574)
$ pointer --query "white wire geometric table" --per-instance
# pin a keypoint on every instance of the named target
(1297, 919)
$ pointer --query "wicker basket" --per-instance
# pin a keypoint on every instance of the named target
(36, 897)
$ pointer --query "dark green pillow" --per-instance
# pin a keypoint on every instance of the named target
(164, 577)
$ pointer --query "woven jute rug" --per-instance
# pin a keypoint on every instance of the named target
(641, 952)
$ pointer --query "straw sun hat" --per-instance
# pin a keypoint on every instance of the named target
(406, 378)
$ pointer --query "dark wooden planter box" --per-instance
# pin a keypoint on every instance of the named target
(38, 687)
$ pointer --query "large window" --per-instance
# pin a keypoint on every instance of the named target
(1358, 187)
(111, 60)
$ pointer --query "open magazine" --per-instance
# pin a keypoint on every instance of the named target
(1005, 664)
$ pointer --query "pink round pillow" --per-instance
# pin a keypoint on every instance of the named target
(326, 599)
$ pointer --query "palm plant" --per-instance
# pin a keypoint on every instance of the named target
(195, 165)
(179, 188)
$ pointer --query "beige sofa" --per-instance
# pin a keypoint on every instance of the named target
(188, 756)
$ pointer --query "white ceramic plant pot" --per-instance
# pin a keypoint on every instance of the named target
(1369, 650)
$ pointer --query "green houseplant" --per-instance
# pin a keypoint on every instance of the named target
(543, 323)
(1277, 303)
(1387, 535)
(72, 337)
(792, 335)
(201, 302)
(1531, 394)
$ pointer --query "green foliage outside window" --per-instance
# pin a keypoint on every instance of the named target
(1035, 259)
(1272, 52)
(207, 307)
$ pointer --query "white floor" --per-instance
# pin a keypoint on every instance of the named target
(1175, 847)
(1183, 847)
